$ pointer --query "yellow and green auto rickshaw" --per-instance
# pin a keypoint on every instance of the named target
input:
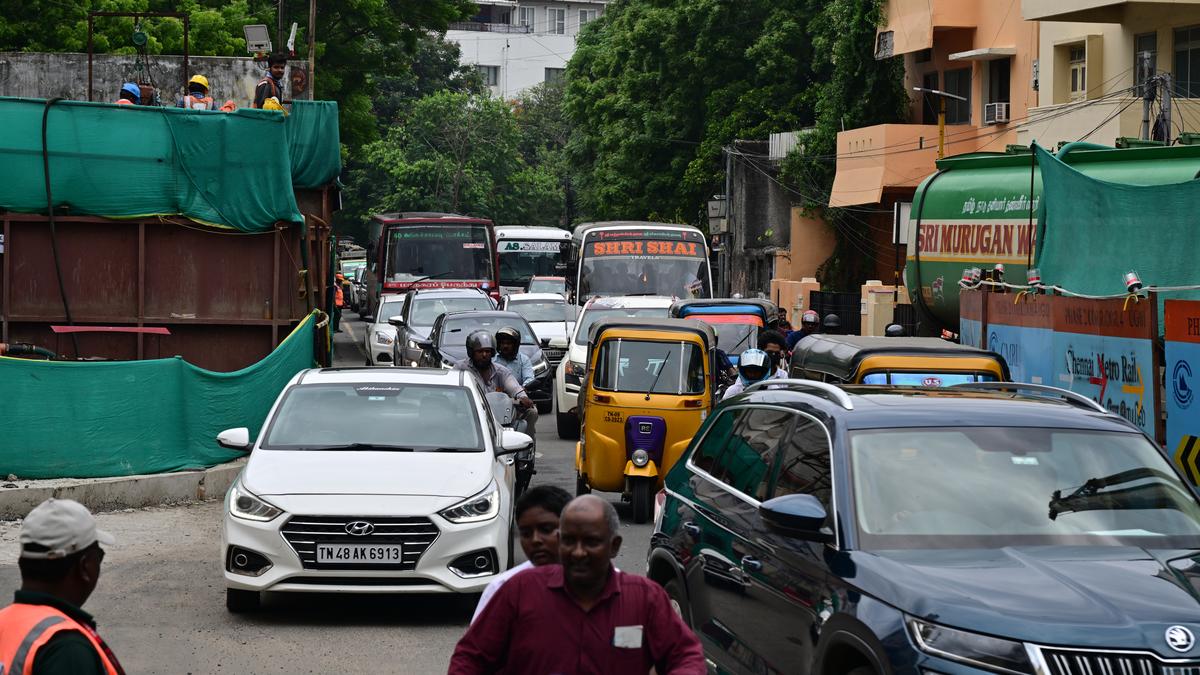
(649, 385)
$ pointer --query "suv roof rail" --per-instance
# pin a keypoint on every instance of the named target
(1068, 396)
(831, 392)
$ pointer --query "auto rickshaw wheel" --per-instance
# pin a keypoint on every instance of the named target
(642, 498)
(581, 486)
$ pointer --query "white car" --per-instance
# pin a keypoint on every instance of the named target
(371, 480)
(572, 368)
(549, 314)
(382, 334)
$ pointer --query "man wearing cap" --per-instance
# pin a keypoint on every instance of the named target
(45, 631)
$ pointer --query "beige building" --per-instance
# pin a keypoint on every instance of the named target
(1089, 67)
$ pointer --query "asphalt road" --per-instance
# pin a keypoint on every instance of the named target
(161, 601)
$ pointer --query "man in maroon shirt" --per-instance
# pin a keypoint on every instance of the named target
(581, 617)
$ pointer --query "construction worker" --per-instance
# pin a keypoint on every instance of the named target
(131, 94)
(45, 630)
(271, 86)
(339, 301)
(197, 97)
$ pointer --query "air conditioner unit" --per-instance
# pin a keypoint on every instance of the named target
(995, 113)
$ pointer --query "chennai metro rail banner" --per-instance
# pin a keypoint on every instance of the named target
(1182, 361)
(1020, 328)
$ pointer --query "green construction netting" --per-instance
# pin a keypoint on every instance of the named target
(313, 143)
(226, 169)
(90, 420)
(1092, 232)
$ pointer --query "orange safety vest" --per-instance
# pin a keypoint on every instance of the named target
(338, 299)
(197, 102)
(25, 628)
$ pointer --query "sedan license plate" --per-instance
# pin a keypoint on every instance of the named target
(358, 554)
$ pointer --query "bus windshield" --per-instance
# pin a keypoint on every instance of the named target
(668, 263)
(460, 251)
(520, 261)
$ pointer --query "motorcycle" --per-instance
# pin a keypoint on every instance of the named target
(512, 416)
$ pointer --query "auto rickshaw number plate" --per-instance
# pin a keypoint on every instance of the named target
(613, 416)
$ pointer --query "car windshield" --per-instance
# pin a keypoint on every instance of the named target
(543, 310)
(594, 314)
(991, 487)
(426, 311)
(928, 379)
(555, 285)
(390, 308)
(456, 329)
(647, 366)
(379, 416)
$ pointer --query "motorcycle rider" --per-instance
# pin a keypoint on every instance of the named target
(810, 324)
(753, 366)
(481, 349)
(508, 354)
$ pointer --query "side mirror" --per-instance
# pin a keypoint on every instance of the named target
(397, 321)
(501, 405)
(424, 344)
(235, 439)
(799, 515)
(545, 342)
(512, 442)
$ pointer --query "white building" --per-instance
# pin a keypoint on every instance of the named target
(517, 44)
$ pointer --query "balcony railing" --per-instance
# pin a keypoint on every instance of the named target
(481, 27)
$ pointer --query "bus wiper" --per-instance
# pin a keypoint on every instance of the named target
(431, 276)
(364, 446)
(1089, 498)
(661, 369)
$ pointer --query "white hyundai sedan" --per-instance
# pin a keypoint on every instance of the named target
(371, 480)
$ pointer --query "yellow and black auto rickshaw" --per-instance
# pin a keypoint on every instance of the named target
(895, 361)
(649, 385)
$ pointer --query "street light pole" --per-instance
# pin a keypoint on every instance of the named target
(942, 96)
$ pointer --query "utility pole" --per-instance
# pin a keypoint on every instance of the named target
(1165, 81)
(942, 96)
(282, 22)
(1147, 93)
(312, 47)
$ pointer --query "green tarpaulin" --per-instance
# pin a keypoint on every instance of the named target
(1093, 231)
(313, 143)
(226, 169)
(88, 420)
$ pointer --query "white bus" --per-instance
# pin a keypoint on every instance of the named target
(527, 252)
(638, 258)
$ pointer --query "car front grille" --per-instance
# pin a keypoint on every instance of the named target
(415, 534)
(1071, 662)
(554, 356)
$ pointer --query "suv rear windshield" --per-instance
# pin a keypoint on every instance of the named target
(650, 367)
(456, 329)
(594, 314)
(911, 379)
(375, 415)
(426, 311)
(991, 487)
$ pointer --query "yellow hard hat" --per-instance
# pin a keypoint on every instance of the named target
(200, 80)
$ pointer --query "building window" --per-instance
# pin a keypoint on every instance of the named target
(958, 82)
(1187, 61)
(1145, 59)
(999, 80)
(555, 75)
(586, 16)
(525, 17)
(556, 20)
(490, 75)
(1077, 62)
(929, 102)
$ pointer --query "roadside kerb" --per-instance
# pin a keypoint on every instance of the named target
(125, 492)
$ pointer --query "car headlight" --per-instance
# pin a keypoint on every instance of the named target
(576, 369)
(540, 367)
(412, 344)
(481, 507)
(247, 506)
(982, 651)
(382, 338)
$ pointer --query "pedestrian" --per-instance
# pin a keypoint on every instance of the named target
(271, 86)
(130, 94)
(775, 345)
(581, 616)
(339, 300)
(45, 631)
(537, 514)
(810, 323)
(197, 97)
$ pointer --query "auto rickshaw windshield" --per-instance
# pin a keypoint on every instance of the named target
(650, 367)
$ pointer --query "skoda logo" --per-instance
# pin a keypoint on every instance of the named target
(1180, 639)
(359, 528)
(1181, 378)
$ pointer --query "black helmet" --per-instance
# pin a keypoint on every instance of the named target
(894, 330)
(508, 333)
(832, 321)
(480, 339)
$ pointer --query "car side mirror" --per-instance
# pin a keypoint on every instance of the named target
(235, 439)
(501, 405)
(799, 515)
(512, 442)
(397, 321)
(545, 342)
(424, 344)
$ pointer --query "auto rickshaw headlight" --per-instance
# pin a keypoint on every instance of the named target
(640, 458)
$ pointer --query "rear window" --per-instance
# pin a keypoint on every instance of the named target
(595, 314)
(455, 330)
(650, 367)
(425, 312)
(933, 380)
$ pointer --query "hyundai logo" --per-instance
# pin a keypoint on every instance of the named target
(359, 528)
(1180, 639)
